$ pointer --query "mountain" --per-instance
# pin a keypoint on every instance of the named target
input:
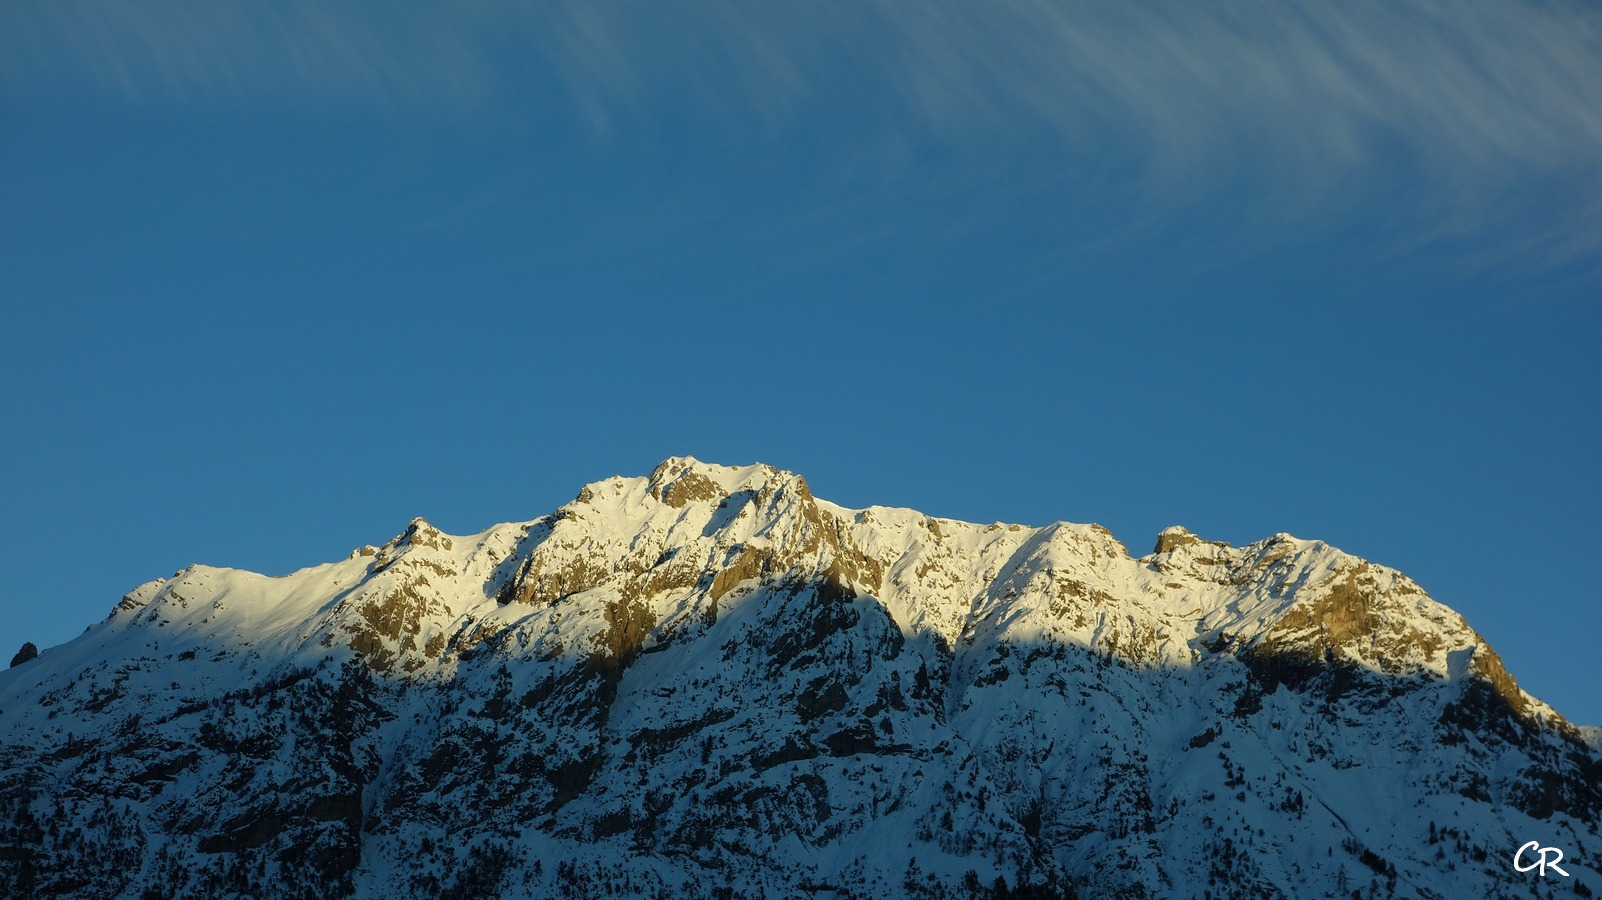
(708, 682)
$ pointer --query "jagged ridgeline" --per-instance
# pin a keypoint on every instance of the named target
(708, 682)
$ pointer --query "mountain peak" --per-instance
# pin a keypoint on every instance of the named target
(421, 534)
(726, 479)
(709, 657)
(1175, 536)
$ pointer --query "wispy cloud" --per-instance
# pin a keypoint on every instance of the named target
(1473, 106)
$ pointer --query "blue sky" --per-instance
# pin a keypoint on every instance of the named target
(278, 277)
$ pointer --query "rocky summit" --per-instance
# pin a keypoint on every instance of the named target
(708, 682)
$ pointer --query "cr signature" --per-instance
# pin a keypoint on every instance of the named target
(1542, 863)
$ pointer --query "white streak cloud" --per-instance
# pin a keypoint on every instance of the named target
(1469, 108)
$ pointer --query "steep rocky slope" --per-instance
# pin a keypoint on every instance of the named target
(707, 681)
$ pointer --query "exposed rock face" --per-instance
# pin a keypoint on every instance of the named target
(1173, 537)
(708, 680)
(27, 653)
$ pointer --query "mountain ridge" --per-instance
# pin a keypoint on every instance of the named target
(707, 679)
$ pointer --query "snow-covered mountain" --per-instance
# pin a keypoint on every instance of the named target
(709, 682)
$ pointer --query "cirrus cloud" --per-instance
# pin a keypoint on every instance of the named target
(1470, 108)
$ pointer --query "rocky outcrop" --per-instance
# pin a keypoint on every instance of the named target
(26, 654)
(1173, 537)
